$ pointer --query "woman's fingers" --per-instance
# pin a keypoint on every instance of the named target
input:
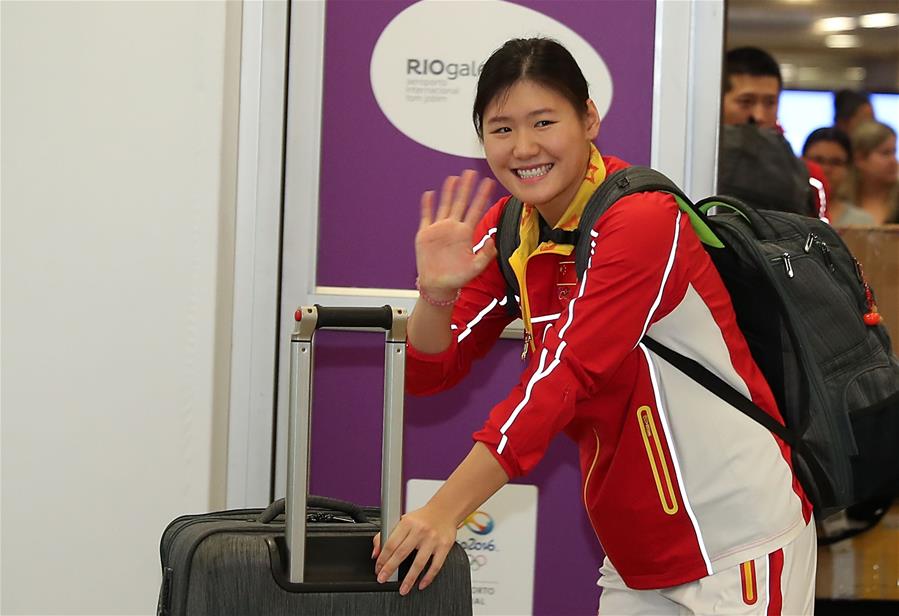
(430, 532)
(464, 189)
(446, 197)
(376, 545)
(480, 201)
(421, 559)
(395, 557)
(437, 560)
(456, 201)
(390, 550)
(427, 209)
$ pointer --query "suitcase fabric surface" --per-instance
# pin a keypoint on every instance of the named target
(237, 563)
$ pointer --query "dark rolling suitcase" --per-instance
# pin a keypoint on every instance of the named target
(274, 562)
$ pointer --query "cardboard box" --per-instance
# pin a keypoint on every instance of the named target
(877, 249)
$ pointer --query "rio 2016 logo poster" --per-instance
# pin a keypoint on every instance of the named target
(499, 539)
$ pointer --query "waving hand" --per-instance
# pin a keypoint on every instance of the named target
(443, 243)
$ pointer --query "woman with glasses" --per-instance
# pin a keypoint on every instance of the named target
(831, 149)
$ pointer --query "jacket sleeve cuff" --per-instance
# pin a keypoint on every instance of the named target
(434, 358)
(490, 438)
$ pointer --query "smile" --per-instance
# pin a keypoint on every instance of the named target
(533, 172)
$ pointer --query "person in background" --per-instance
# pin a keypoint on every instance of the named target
(872, 183)
(751, 86)
(851, 108)
(831, 149)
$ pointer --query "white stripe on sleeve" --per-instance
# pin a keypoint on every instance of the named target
(668, 267)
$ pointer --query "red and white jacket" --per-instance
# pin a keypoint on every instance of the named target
(677, 484)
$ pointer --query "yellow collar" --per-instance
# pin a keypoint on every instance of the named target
(529, 229)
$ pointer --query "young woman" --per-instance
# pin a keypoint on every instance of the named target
(831, 149)
(873, 181)
(695, 505)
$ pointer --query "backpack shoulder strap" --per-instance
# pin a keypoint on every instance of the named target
(716, 385)
(620, 184)
(507, 240)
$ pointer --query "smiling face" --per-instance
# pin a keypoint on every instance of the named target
(538, 145)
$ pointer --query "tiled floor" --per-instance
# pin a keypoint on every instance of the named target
(863, 567)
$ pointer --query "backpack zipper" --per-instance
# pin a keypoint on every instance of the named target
(787, 265)
(814, 240)
(871, 317)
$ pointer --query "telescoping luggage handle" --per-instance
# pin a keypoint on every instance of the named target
(308, 320)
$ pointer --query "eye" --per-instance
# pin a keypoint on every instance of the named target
(544, 123)
(502, 130)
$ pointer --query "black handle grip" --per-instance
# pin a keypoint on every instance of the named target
(331, 316)
(320, 502)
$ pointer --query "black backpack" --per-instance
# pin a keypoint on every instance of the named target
(757, 166)
(800, 299)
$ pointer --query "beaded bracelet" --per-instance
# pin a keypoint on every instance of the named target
(438, 303)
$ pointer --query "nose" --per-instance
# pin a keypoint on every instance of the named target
(757, 114)
(763, 115)
(525, 146)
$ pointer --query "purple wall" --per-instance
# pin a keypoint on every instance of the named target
(362, 153)
(372, 172)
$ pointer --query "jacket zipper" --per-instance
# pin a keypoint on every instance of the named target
(525, 303)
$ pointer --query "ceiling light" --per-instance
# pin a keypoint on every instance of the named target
(808, 73)
(879, 20)
(842, 41)
(856, 73)
(835, 24)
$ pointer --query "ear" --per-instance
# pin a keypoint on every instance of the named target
(591, 120)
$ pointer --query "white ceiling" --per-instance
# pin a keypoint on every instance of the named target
(787, 30)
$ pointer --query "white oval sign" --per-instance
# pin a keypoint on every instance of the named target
(425, 66)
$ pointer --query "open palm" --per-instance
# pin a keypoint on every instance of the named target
(443, 251)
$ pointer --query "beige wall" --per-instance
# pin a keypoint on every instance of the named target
(119, 145)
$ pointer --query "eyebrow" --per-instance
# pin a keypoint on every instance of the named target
(503, 119)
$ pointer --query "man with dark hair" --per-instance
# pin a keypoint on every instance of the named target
(756, 163)
(851, 108)
(751, 87)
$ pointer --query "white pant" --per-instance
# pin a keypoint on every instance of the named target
(780, 583)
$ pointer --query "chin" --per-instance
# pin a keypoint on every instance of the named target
(537, 196)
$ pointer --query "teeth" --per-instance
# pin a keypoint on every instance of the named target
(534, 172)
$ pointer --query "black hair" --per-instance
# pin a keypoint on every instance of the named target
(750, 61)
(830, 134)
(847, 102)
(541, 60)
